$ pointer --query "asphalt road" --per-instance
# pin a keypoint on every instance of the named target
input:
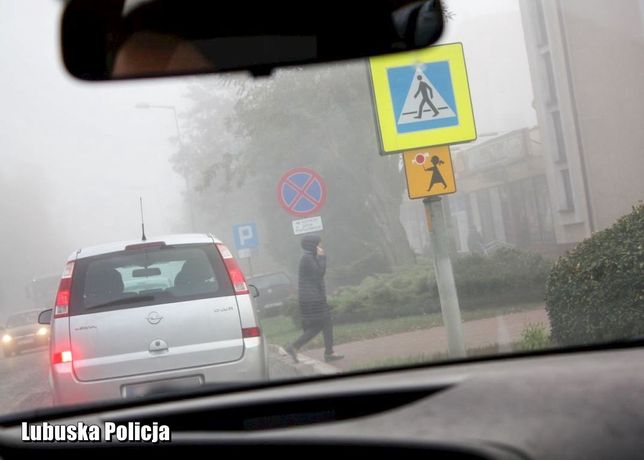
(24, 381)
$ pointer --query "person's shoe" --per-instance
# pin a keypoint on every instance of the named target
(332, 357)
(292, 353)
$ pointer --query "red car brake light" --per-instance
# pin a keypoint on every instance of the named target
(63, 295)
(234, 272)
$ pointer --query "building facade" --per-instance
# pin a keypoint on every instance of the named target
(586, 60)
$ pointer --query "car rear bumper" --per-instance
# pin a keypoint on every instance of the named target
(68, 390)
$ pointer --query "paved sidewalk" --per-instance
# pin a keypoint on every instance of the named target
(502, 330)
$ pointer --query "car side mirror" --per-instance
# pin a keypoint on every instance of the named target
(45, 317)
(253, 290)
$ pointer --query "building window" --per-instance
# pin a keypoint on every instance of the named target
(541, 196)
(557, 127)
(568, 203)
(485, 214)
(550, 79)
(542, 34)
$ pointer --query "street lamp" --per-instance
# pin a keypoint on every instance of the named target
(145, 105)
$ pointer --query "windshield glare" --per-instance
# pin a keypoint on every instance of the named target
(516, 225)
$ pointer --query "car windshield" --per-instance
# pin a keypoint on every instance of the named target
(23, 319)
(476, 198)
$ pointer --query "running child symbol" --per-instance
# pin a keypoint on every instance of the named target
(437, 177)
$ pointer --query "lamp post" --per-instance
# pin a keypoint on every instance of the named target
(145, 105)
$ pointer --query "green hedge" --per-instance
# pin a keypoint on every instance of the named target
(595, 293)
(508, 276)
(355, 273)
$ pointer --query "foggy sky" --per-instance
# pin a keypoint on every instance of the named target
(99, 153)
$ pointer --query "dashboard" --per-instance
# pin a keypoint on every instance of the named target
(572, 405)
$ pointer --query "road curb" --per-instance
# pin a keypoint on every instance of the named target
(306, 366)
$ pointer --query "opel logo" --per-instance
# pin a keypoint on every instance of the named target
(154, 318)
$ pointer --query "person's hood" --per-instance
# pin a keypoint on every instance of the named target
(310, 242)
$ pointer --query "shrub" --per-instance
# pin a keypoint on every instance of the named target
(506, 277)
(534, 337)
(595, 293)
(356, 272)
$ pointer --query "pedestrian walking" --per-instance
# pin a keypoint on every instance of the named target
(314, 309)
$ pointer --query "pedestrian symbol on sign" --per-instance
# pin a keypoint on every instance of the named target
(424, 88)
(427, 102)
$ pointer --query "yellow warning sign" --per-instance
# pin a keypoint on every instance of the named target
(429, 172)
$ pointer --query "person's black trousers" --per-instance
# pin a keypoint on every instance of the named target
(313, 327)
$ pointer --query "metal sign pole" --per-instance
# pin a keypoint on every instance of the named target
(445, 276)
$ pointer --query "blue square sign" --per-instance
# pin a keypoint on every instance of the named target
(245, 236)
(422, 96)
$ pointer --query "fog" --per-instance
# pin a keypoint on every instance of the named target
(81, 153)
(77, 156)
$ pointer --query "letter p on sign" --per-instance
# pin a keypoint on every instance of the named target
(245, 236)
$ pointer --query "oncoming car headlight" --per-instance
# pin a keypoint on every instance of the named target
(6, 338)
(42, 331)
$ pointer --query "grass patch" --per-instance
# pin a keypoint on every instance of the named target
(280, 330)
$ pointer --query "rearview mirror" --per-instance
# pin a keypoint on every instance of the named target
(115, 39)
(45, 317)
(145, 272)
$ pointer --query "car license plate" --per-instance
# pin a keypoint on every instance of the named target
(161, 386)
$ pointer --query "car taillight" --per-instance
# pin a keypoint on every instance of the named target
(62, 357)
(234, 272)
(64, 292)
(249, 332)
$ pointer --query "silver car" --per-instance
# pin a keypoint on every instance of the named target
(144, 317)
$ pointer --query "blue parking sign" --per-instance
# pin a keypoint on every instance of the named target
(245, 236)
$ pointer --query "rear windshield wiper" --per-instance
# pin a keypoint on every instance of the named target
(126, 300)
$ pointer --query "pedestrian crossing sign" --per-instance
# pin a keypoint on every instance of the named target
(422, 98)
(429, 172)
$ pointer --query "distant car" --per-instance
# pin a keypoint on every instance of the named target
(22, 332)
(144, 317)
(274, 289)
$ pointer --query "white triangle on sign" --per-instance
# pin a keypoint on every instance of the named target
(426, 94)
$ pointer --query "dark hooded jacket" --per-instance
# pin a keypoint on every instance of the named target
(312, 290)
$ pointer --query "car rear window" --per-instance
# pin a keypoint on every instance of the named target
(148, 276)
